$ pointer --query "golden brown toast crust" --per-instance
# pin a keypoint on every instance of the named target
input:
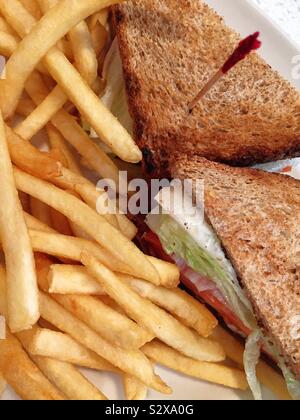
(169, 50)
(256, 216)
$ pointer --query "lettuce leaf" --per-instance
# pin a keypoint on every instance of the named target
(251, 359)
(177, 240)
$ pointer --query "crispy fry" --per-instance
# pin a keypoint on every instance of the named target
(32, 7)
(33, 50)
(31, 160)
(135, 390)
(108, 128)
(94, 225)
(8, 44)
(100, 37)
(68, 279)
(35, 224)
(5, 27)
(47, 343)
(211, 372)
(66, 125)
(66, 377)
(190, 312)
(151, 317)
(76, 136)
(111, 325)
(22, 293)
(72, 280)
(267, 376)
(84, 53)
(132, 362)
(22, 374)
(69, 380)
(101, 17)
(169, 273)
(69, 247)
(57, 141)
(16, 367)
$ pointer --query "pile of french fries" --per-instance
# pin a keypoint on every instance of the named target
(75, 291)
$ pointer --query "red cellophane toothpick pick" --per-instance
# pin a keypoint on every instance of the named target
(251, 43)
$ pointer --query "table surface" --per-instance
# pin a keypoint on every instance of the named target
(285, 13)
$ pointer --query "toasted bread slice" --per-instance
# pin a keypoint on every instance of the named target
(170, 49)
(256, 216)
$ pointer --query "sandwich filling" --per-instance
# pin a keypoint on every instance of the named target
(193, 245)
(198, 252)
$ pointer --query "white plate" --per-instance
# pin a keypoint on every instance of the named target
(278, 51)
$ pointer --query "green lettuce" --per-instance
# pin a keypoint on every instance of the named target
(176, 240)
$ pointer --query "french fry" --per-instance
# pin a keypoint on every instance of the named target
(266, 375)
(50, 29)
(132, 362)
(135, 390)
(68, 247)
(72, 280)
(32, 7)
(84, 53)
(210, 372)
(178, 303)
(101, 17)
(94, 225)
(55, 345)
(69, 128)
(100, 37)
(61, 246)
(16, 367)
(68, 279)
(111, 325)
(76, 136)
(35, 224)
(169, 273)
(57, 141)
(108, 129)
(23, 375)
(5, 27)
(8, 44)
(48, 241)
(63, 375)
(22, 293)
(69, 380)
(32, 161)
(151, 317)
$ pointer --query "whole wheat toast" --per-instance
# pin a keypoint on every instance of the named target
(169, 50)
(256, 216)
